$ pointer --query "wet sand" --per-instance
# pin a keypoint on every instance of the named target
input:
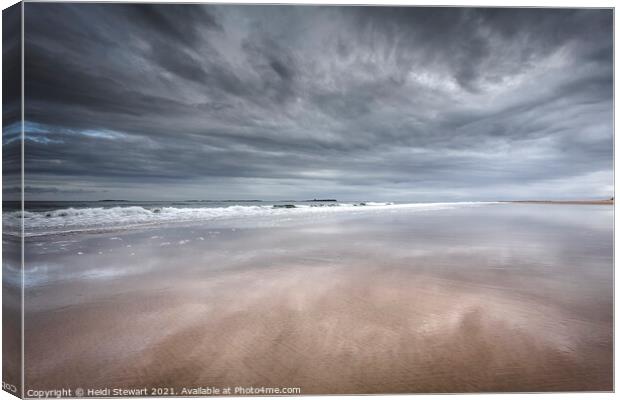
(11, 313)
(493, 298)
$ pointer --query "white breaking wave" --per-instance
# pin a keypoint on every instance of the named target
(100, 218)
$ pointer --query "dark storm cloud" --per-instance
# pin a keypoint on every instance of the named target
(289, 102)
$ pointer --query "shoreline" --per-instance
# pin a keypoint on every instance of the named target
(573, 202)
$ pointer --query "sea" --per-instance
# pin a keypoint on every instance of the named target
(50, 217)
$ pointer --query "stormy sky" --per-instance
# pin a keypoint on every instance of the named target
(151, 102)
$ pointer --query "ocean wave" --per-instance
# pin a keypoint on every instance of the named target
(67, 220)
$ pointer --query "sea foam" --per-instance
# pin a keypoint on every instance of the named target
(101, 218)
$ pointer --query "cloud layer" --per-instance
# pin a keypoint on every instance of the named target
(417, 104)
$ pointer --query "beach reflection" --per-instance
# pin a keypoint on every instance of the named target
(508, 297)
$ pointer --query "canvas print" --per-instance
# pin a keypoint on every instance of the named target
(232, 199)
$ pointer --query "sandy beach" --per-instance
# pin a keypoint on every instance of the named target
(11, 315)
(503, 297)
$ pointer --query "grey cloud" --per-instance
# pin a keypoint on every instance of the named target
(280, 101)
